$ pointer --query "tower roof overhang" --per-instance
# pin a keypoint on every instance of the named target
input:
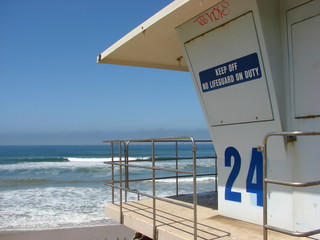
(155, 43)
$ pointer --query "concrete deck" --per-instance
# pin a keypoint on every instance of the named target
(175, 222)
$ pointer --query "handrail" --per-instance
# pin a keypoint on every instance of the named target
(162, 178)
(125, 163)
(150, 168)
(266, 181)
(151, 196)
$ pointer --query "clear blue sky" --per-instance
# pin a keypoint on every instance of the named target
(52, 91)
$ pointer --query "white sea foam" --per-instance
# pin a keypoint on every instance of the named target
(72, 193)
(69, 205)
(72, 162)
(49, 165)
(72, 159)
(69, 190)
(89, 160)
(55, 207)
(52, 207)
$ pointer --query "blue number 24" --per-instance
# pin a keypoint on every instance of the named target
(252, 185)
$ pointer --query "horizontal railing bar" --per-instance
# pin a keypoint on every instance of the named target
(129, 164)
(167, 139)
(184, 222)
(172, 158)
(296, 133)
(292, 233)
(145, 167)
(166, 159)
(150, 196)
(173, 139)
(115, 141)
(161, 178)
(293, 184)
(125, 163)
(263, 149)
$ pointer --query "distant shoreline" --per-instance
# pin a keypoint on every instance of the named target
(107, 232)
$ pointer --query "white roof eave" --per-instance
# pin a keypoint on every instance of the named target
(155, 43)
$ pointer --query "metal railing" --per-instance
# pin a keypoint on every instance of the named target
(291, 136)
(124, 161)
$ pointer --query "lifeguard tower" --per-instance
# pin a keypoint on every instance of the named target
(255, 65)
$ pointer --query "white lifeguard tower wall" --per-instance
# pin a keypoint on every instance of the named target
(256, 68)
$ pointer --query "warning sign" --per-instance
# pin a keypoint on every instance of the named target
(240, 70)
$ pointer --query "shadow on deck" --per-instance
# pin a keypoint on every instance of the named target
(175, 222)
(172, 221)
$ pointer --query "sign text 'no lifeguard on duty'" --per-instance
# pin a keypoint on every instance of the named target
(240, 70)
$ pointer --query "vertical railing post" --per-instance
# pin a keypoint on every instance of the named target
(177, 168)
(112, 171)
(266, 181)
(195, 221)
(126, 159)
(265, 190)
(120, 181)
(154, 192)
(216, 173)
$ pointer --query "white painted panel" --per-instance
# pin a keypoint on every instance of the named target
(306, 61)
(232, 95)
(303, 24)
(239, 114)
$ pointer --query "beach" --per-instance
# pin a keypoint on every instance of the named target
(108, 232)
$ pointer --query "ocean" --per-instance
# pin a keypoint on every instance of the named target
(48, 187)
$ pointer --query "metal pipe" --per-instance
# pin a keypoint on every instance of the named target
(294, 133)
(162, 178)
(266, 181)
(125, 163)
(195, 202)
(294, 184)
(150, 168)
(292, 233)
(177, 167)
(120, 180)
(173, 158)
(265, 191)
(150, 196)
(154, 193)
(112, 171)
(171, 139)
(126, 150)
(216, 174)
